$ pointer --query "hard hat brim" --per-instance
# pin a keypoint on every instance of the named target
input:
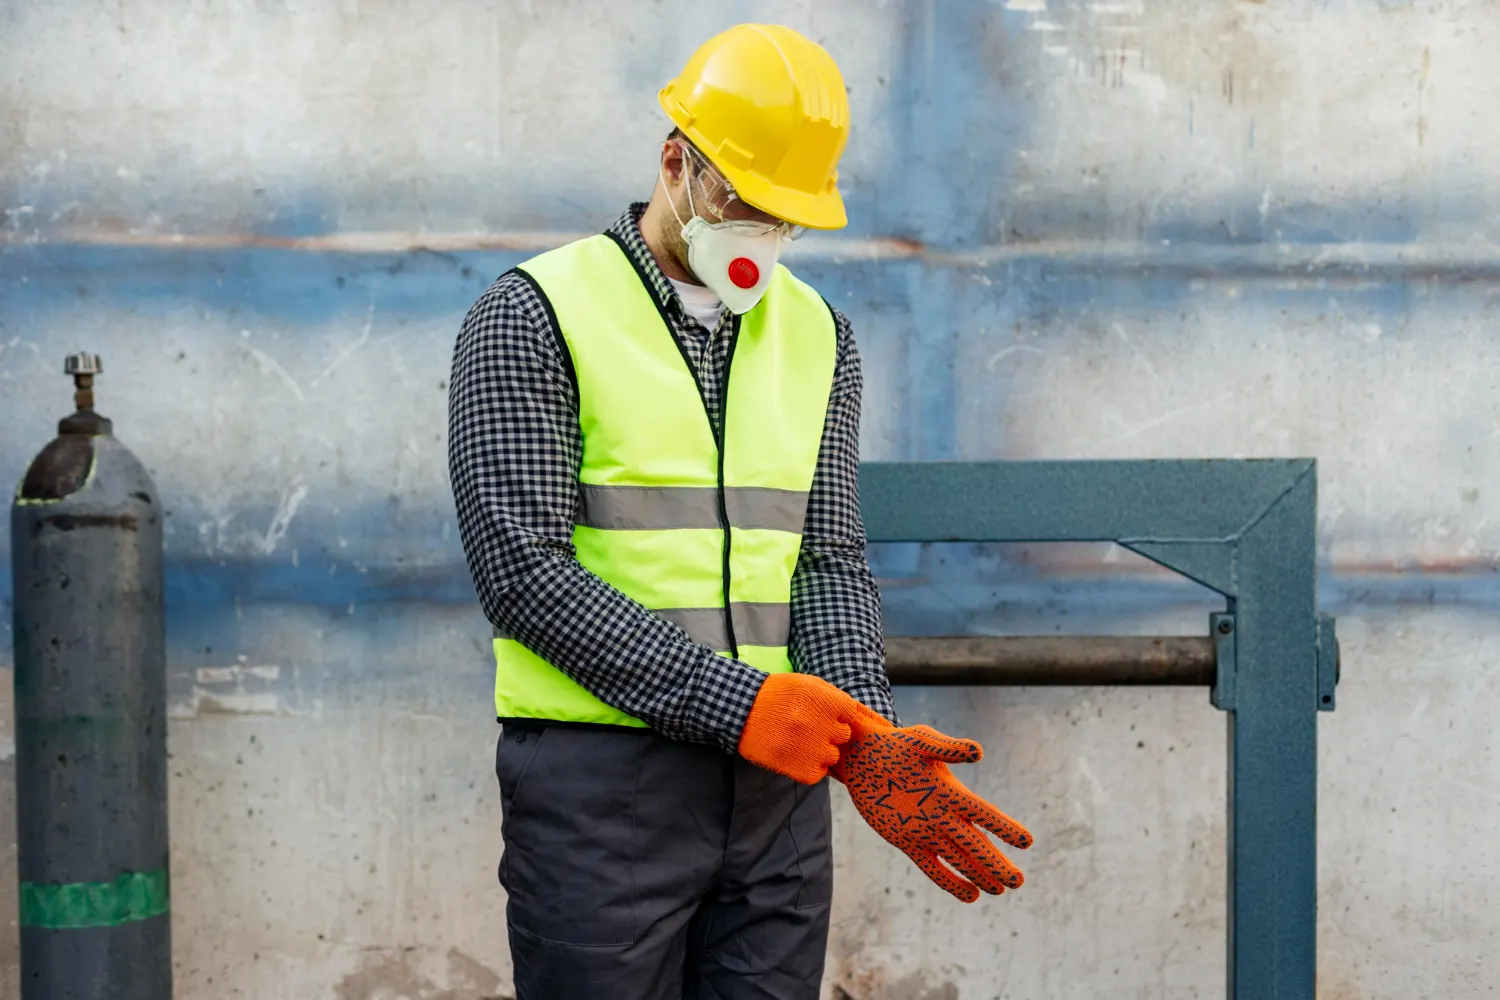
(812, 211)
(824, 210)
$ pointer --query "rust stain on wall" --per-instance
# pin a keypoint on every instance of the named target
(389, 975)
(913, 987)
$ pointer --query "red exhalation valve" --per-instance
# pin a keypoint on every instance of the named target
(744, 273)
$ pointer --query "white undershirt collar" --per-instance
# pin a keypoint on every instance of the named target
(700, 302)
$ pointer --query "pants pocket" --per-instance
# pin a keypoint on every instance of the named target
(513, 754)
(568, 866)
(512, 757)
(811, 826)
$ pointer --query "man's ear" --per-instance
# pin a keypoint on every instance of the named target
(673, 162)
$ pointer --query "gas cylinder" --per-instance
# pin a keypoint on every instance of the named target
(90, 705)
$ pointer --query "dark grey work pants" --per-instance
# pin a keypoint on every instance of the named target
(643, 869)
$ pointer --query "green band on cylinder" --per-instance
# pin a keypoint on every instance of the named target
(124, 900)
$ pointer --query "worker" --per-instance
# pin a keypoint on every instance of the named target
(654, 454)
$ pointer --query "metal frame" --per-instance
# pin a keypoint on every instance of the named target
(1245, 529)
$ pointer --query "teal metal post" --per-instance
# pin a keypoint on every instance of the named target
(1245, 529)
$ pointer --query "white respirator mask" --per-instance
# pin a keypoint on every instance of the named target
(733, 259)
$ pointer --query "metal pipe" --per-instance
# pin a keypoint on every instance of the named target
(1052, 660)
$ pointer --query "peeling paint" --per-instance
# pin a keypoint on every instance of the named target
(236, 674)
(202, 703)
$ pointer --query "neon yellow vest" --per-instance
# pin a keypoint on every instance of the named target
(705, 536)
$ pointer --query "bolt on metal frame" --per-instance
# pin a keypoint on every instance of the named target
(1243, 528)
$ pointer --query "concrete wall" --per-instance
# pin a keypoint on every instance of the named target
(1144, 228)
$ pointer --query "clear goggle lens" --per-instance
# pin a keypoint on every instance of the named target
(720, 198)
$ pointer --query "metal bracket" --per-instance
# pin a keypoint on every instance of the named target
(1328, 663)
(1221, 628)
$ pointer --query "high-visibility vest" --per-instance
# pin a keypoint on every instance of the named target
(702, 529)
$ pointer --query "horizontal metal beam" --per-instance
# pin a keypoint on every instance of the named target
(1051, 660)
(1156, 503)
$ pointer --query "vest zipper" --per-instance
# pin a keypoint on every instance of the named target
(734, 339)
(718, 432)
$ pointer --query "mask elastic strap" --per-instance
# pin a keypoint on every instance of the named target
(688, 180)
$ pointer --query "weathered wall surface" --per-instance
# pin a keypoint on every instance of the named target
(1146, 228)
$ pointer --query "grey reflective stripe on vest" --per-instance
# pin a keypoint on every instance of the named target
(762, 624)
(754, 624)
(759, 507)
(663, 508)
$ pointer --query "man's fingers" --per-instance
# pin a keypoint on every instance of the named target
(944, 748)
(934, 869)
(865, 721)
(991, 867)
(971, 868)
(977, 810)
(806, 772)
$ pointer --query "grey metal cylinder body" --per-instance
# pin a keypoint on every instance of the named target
(91, 755)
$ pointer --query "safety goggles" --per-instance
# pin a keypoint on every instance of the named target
(720, 197)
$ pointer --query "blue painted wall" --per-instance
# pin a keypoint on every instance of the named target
(1078, 229)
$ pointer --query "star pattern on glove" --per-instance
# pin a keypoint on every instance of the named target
(905, 802)
(899, 781)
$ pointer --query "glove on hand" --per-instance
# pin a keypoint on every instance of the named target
(799, 724)
(899, 781)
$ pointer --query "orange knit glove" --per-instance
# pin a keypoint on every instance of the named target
(798, 725)
(899, 781)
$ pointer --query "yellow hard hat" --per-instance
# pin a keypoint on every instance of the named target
(767, 106)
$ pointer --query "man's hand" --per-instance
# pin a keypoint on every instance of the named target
(899, 781)
(803, 727)
(799, 725)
